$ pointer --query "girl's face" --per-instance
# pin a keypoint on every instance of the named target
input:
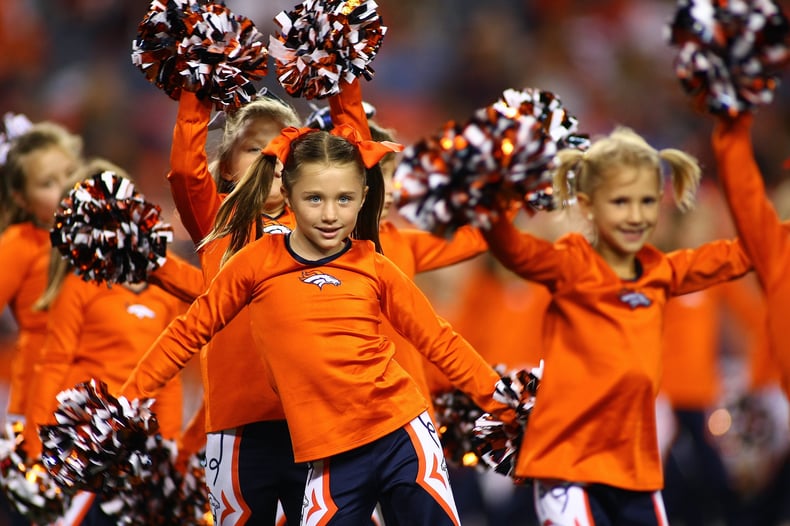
(253, 137)
(325, 200)
(624, 210)
(47, 171)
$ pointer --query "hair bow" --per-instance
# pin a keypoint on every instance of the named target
(370, 151)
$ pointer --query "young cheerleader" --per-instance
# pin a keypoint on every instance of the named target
(266, 474)
(316, 298)
(33, 179)
(96, 331)
(764, 236)
(591, 444)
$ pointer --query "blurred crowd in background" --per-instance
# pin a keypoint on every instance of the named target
(608, 61)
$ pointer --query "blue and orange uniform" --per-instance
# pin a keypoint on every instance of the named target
(335, 374)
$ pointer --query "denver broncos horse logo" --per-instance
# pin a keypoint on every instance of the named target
(634, 299)
(141, 311)
(319, 279)
(276, 229)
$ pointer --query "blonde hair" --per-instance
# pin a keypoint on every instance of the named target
(13, 176)
(584, 172)
(263, 107)
(60, 266)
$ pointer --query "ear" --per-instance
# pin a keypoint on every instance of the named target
(19, 199)
(585, 205)
(285, 196)
(364, 195)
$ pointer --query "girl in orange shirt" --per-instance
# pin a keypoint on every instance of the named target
(591, 446)
(97, 331)
(199, 188)
(34, 176)
(345, 398)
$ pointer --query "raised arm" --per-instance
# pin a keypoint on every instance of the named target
(346, 108)
(191, 184)
(528, 256)
(709, 264)
(763, 235)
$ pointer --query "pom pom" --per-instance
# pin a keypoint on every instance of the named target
(322, 42)
(456, 414)
(206, 49)
(321, 118)
(14, 125)
(159, 493)
(99, 442)
(109, 232)
(503, 154)
(27, 485)
(496, 444)
(730, 53)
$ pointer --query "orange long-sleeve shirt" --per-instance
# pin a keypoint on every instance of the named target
(316, 326)
(414, 251)
(24, 257)
(98, 332)
(764, 236)
(594, 418)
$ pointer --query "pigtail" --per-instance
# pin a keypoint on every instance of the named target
(569, 166)
(367, 226)
(685, 174)
(242, 208)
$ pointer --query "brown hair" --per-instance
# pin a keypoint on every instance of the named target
(241, 209)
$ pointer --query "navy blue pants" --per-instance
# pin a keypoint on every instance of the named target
(597, 505)
(249, 469)
(404, 471)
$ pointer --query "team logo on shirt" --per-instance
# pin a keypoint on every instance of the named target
(634, 299)
(318, 278)
(141, 311)
(276, 229)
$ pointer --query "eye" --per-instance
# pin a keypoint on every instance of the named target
(649, 200)
(344, 199)
(619, 201)
(313, 199)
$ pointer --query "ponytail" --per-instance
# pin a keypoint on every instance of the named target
(241, 209)
(367, 226)
(685, 174)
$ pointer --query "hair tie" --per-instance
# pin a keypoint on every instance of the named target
(280, 146)
(370, 151)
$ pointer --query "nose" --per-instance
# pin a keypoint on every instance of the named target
(635, 213)
(329, 212)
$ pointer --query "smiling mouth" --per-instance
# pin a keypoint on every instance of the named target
(329, 233)
(632, 234)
